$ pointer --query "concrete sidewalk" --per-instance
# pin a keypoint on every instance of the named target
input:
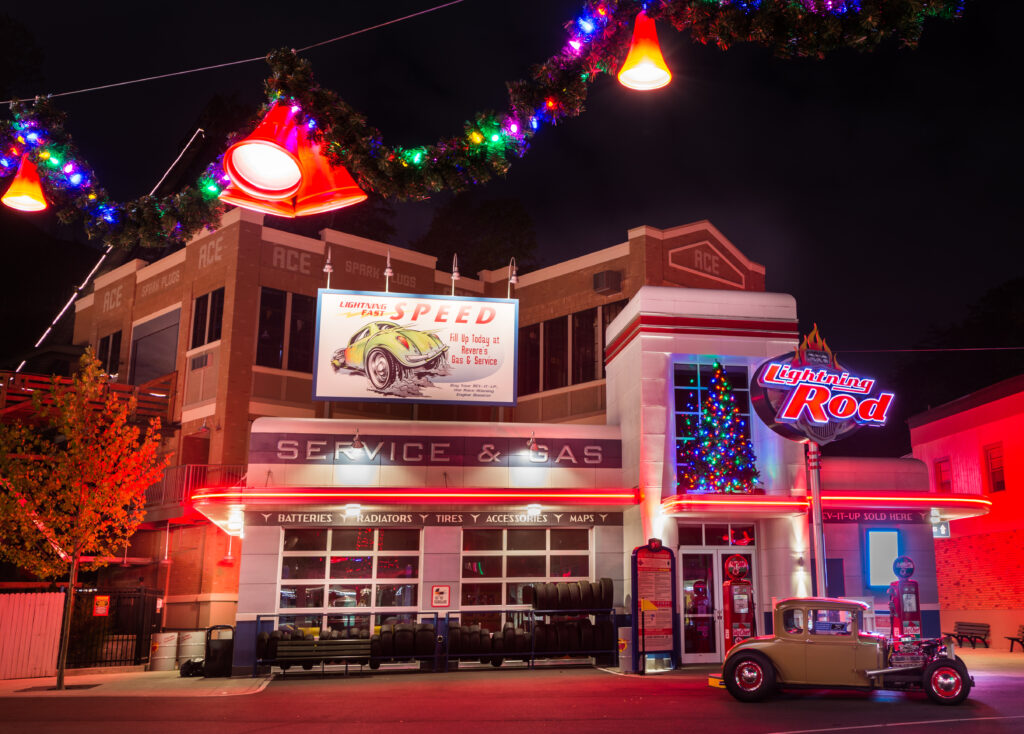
(169, 684)
(165, 684)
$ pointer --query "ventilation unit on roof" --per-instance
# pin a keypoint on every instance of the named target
(608, 282)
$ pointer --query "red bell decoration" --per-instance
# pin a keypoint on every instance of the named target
(234, 195)
(26, 192)
(324, 187)
(645, 67)
(265, 165)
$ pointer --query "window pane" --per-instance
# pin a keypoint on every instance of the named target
(305, 540)
(994, 462)
(481, 566)
(395, 540)
(477, 594)
(477, 540)
(301, 596)
(199, 321)
(302, 567)
(608, 313)
(113, 364)
(398, 567)
(351, 567)
(397, 595)
(349, 621)
(830, 622)
(556, 353)
(302, 333)
(360, 539)
(270, 342)
(584, 346)
(529, 359)
(306, 622)
(515, 593)
(742, 534)
(564, 539)
(716, 535)
(216, 315)
(527, 539)
(355, 595)
(691, 535)
(525, 566)
(570, 566)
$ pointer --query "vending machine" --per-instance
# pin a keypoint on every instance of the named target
(904, 604)
(737, 602)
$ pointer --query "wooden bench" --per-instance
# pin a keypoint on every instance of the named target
(285, 653)
(1019, 638)
(973, 632)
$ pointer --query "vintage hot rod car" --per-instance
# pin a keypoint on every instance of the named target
(385, 349)
(819, 643)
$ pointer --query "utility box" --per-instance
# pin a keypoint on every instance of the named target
(608, 282)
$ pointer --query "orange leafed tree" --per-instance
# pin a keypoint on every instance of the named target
(73, 479)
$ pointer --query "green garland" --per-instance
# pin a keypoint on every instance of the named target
(488, 144)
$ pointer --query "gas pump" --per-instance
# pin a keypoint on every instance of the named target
(904, 607)
(738, 601)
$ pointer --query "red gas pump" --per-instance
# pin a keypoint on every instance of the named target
(904, 607)
(738, 601)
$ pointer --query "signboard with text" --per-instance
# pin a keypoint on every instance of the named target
(807, 394)
(655, 623)
(395, 347)
(101, 606)
(314, 517)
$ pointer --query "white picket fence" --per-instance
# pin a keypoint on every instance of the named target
(29, 634)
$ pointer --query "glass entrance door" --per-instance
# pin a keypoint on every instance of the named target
(702, 571)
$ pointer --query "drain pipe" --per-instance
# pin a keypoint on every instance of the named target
(166, 563)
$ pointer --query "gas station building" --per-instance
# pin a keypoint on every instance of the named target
(332, 512)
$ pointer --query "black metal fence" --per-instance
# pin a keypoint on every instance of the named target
(121, 636)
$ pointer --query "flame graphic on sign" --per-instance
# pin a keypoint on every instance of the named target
(814, 343)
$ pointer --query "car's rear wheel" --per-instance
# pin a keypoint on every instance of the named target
(946, 681)
(381, 368)
(749, 676)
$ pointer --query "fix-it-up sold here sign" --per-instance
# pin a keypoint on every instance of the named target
(807, 394)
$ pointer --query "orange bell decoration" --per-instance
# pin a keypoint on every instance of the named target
(26, 192)
(234, 195)
(265, 165)
(645, 67)
(324, 187)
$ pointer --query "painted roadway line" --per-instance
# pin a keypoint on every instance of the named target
(892, 725)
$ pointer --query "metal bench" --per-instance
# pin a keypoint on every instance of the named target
(973, 632)
(285, 653)
(1019, 638)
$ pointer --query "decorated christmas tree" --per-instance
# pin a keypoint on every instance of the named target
(719, 457)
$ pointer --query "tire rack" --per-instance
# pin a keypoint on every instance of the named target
(531, 617)
(261, 619)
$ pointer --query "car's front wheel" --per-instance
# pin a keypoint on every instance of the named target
(946, 681)
(749, 676)
(381, 368)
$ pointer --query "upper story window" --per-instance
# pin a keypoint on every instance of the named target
(943, 476)
(207, 317)
(566, 350)
(108, 352)
(994, 467)
(286, 331)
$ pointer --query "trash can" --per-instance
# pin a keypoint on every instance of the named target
(191, 645)
(163, 650)
(220, 648)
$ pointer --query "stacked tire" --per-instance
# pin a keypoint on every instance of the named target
(401, 641)
(474, 642)
(566, 627)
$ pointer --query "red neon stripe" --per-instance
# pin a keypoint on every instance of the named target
(927, 499)
(204, 495)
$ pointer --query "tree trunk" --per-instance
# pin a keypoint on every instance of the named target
(65, 633)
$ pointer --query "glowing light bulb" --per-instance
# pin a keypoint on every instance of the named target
(576, 45)
(76, 179)
(69, 168)
(495, 138)
(586, 25)
(550, 103)
(513, 128)
(45, 155)
(476, 137)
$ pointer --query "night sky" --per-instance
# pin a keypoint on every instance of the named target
(882, 190)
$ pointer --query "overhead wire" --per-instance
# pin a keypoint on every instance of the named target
(240, 61)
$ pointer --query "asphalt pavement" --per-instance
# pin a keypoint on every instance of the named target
(556, 699)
